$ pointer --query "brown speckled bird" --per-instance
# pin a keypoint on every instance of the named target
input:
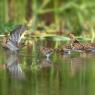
(76, 45)
(65, 49)
(46, 51)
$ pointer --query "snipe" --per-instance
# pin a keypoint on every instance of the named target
(46, 51)
(89, 47)
(77, 46)
(13, 42)
(63, 50)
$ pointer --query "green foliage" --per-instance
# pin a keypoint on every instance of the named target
(77, 15)
(8, 27)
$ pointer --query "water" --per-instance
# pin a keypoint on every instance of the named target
(28, 74)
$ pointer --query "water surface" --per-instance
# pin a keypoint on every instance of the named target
(31, 74)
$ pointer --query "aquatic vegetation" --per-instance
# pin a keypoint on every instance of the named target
(55, 16)
(57, 53)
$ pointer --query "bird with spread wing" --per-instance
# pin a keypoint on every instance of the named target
(13, 42)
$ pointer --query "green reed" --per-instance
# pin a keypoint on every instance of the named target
(76, 16)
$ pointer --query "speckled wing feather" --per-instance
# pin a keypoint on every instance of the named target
(16, 34)
(15, 38)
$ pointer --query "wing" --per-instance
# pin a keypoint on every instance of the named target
(17, 33)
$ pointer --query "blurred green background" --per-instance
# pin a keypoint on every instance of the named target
(76, 16)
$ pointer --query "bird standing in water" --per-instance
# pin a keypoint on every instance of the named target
(46, 52)
(13, 42)
(63, 50)
(75, 44)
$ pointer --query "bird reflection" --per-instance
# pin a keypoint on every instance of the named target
(13, 66)
(77, 64)
(45, 62)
